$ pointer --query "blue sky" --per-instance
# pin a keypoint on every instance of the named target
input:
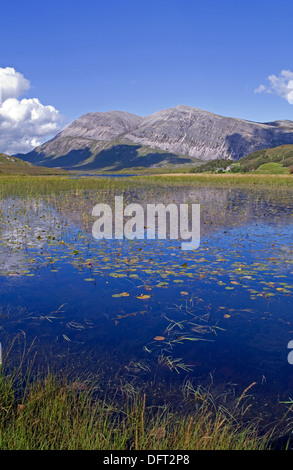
(143, 56)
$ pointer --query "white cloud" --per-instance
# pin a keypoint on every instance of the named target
(281, 84)
(27, 123)
(24, 124)
(260, 89)
(12, 84)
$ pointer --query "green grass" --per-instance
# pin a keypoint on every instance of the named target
(227, 180)
(272, 169)
(34, 185)
(51, 413)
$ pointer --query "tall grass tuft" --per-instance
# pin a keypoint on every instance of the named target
(50, 413)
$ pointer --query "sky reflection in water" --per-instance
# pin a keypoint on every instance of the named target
(147, 308)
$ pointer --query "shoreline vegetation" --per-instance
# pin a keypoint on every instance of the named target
(32, 185)
(49, 412)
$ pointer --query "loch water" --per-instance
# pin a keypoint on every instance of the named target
(145, 309)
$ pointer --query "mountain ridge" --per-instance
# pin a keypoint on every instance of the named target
(175, 136)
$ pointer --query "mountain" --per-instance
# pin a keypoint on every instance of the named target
(176, 136)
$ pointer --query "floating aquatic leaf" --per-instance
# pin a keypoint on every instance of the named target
(123, 294)
(117, 275)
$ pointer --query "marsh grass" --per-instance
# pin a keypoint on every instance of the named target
(50, 413)
(40, 185)
(229, 180)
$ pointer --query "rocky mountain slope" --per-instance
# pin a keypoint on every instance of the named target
(175, 136)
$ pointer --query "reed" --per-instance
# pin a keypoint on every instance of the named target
(52, 413)
(40, 185)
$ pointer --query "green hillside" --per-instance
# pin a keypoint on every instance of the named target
(278, 160)
(104, 156)
(272, 169)
(283, 155)
(14, 166)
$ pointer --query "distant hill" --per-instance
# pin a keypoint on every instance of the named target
(278, 160)
(12, 166)
(179, 136)
(282, 154)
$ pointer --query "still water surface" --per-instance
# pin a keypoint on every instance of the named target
(146, 309)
